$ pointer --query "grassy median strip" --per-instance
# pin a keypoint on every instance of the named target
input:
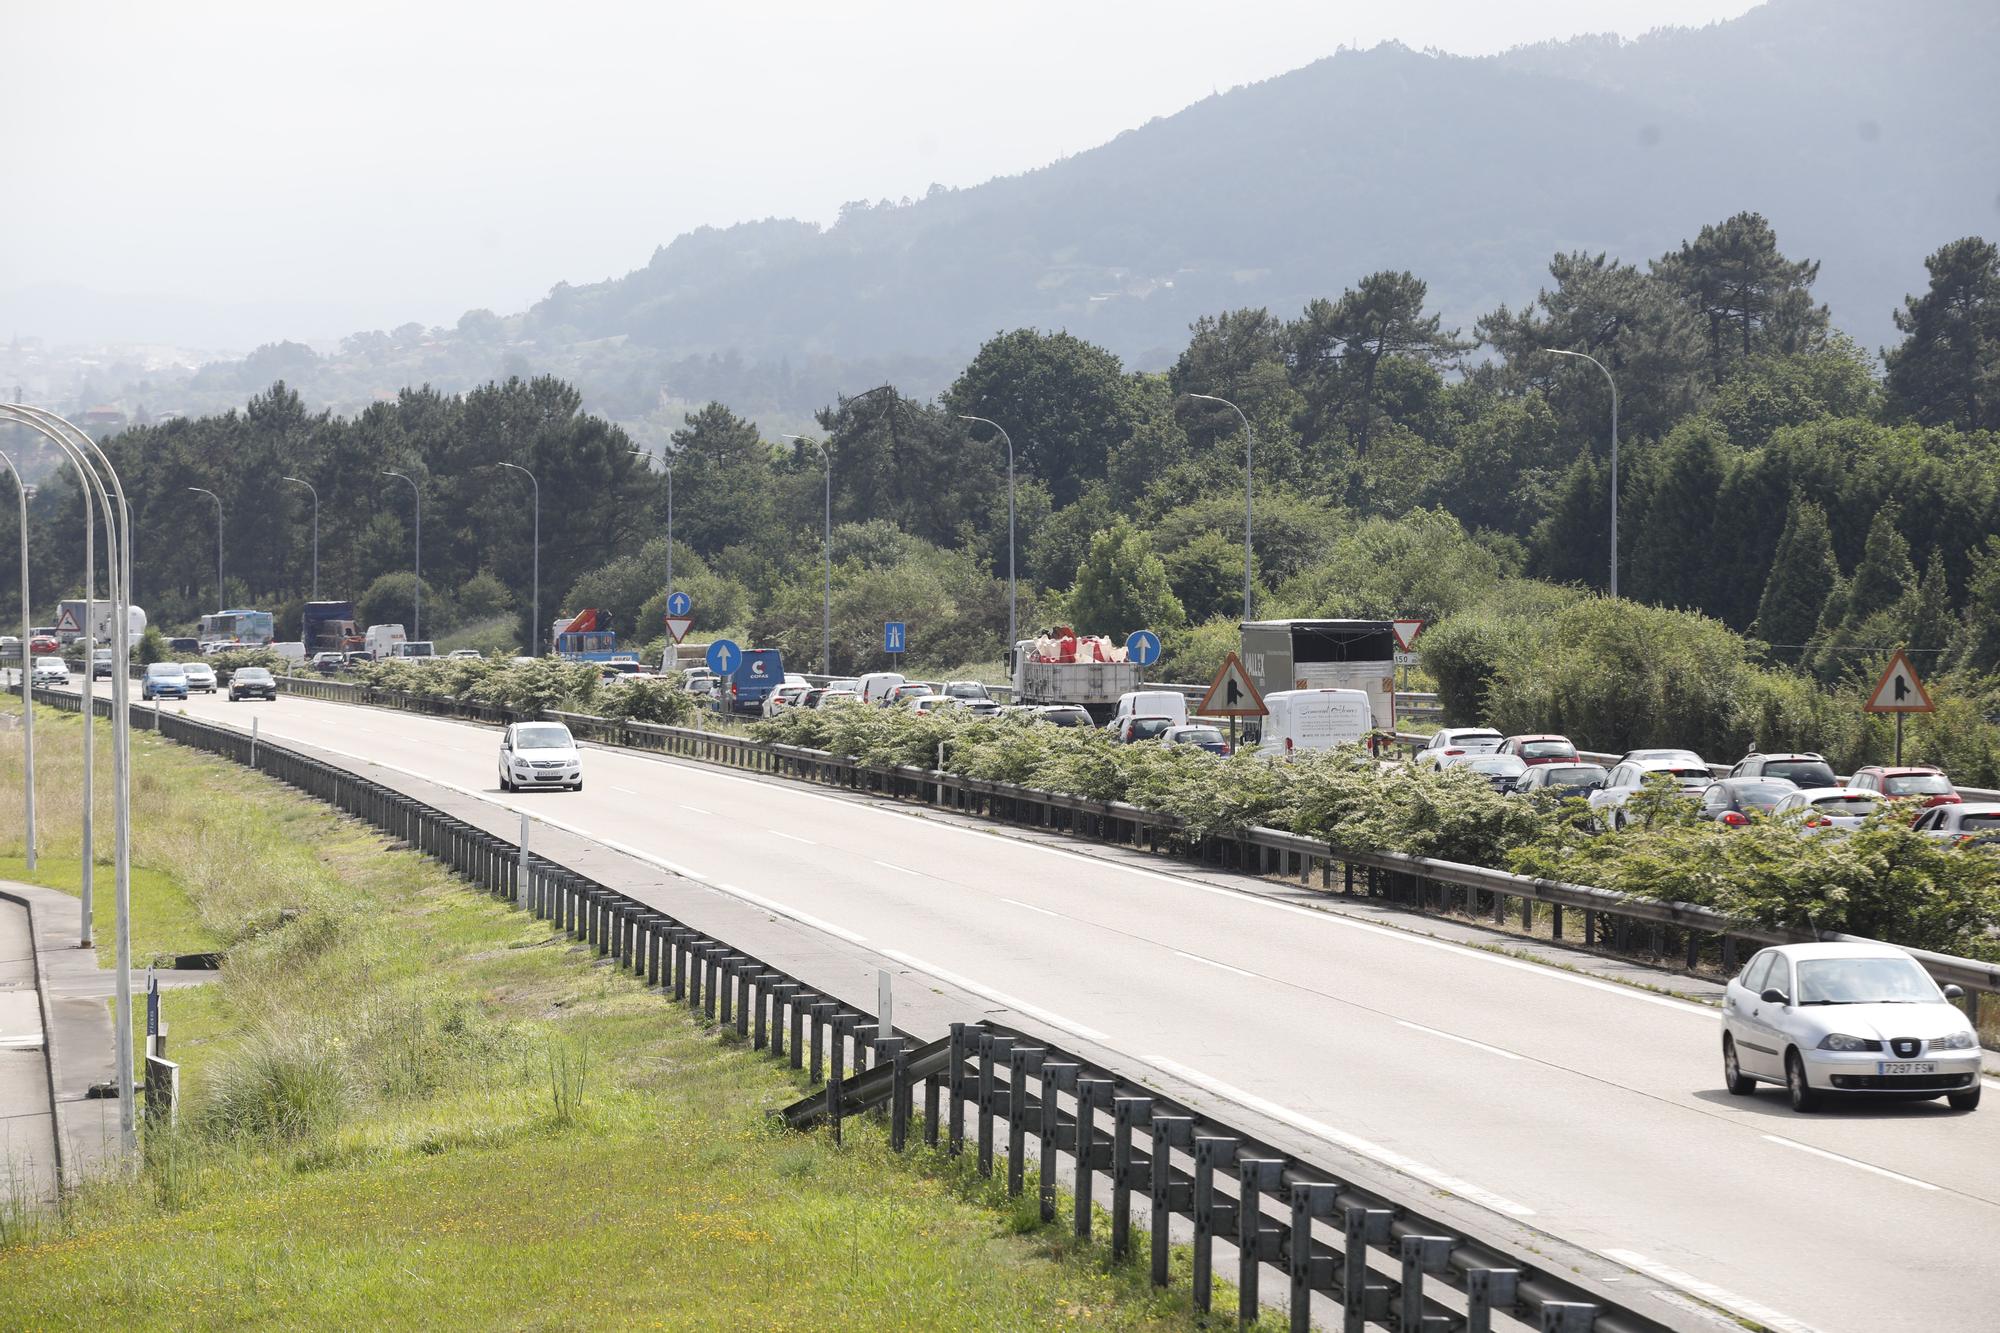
(407, 1105)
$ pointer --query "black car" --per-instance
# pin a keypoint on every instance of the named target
(1733, 800)
(252, 683)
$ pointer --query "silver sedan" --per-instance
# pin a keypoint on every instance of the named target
(1859, 1019)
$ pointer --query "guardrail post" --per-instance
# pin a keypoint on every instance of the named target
(1311, 1272)
(1568, 1317)
(863, 1036)
(743, 971)
(762, 982)
(955, 1104)
(899, 1087)
(1256, 1240)
(1054, 1074)
(1487, 1290)
(1363, 1299)
(836, 1074)
(991, 1048)
(1212, 1216)
(1421, 1255)
(1128, 1113)
(1169, 1196)
(1090, 1094)
(1021, 1062)
(783, 996)
(822, 1011)
(931, 1111)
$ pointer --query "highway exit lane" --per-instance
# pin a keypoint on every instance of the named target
(1588, 1109)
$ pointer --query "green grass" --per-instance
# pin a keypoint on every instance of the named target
(407, 1105)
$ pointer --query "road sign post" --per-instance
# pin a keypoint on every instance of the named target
(1899, 691)
(1142, 649)
(1407, 631)
(723, 659)
(895, 639)
(1232, 694)
(679, 618)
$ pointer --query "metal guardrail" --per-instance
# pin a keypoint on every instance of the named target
(1576, 914)
(1381, 1255)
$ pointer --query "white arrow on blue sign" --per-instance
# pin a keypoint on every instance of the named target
(679, 604)
(1142, 647)
(892, 636)
(724, 657)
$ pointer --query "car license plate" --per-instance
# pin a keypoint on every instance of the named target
(1909, 1066)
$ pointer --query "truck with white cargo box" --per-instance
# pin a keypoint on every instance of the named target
(1282, 655)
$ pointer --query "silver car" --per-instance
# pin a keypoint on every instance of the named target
(1827, 809)
(1456, 743)
(539, 754)
(1864, 1019)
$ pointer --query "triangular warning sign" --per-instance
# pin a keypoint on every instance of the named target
(66, 622)
(1406, 632)
(1899, 690)
(677, 627)
(1232, 694)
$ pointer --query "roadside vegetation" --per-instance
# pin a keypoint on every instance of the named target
(402, 1096)
(546, 683)
(1884, 880)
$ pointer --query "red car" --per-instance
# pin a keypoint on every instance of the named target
(1916, 782)
(44, 644)
(1532, 750)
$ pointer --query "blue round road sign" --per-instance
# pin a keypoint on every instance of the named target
(724, 657)
(679, 604)
(1142, 647)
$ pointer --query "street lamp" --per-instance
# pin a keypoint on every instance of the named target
(1581, 356)
(27, 692)
(1012, 596)
(1249, 446)
(535, 625)
(826, 596)
(417, 508)
(218, 542)
(80, 448)
(299, 481)
(667, 455)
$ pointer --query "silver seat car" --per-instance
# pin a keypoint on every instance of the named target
(1861, 1019)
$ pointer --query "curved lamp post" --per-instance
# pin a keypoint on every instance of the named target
(27, 691)
(1249, 447)
(218, 542)
(826, 596)
(1012, 594)
(1584, 356)
(417, 508)
(534, 625)
(300, 481)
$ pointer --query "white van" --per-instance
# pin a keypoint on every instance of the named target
(291, 652)
(1302, 720)
(1149, 703)
(382, 641)
(877, 686)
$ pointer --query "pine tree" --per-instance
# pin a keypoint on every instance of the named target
(1573, 543)
(1885, 575)
(1752, 298)
(1927, 609)
(1803, 574)
(1948, 368)
(1670, 533)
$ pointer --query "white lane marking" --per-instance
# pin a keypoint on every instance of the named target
(890, 865)
(1030, 907)
(1197, 958)
(793, 836)
(697, 809)
(1324, 918)
(1453, 1036)
(1848, 1161)
(1388, 1157)
(1703, 1011)
(803, 918)
(1708, 1291)
(625, 790)
(998, 997)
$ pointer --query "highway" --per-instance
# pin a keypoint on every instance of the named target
(1587, 1109)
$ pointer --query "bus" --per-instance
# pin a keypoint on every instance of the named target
(252, 629)
(1325, 654)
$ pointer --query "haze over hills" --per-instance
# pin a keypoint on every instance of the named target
(1865, 132)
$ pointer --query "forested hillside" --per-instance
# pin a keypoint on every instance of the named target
(1844, 122)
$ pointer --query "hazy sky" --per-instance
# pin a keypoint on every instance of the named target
(329, 166)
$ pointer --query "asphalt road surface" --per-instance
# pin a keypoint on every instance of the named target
(1591, 1110)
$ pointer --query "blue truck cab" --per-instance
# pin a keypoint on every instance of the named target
(760, 672)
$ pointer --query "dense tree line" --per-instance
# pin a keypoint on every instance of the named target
(1770, 481)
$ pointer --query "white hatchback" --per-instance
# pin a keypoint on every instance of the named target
(539, 754)
(1862, 1019)
(200, 676)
